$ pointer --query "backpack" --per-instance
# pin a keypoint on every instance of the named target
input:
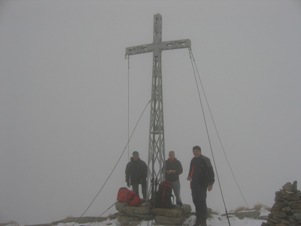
(163, 195)
(128, 196)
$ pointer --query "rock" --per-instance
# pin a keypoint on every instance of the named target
(287, 208)
(297, 216)
(125, 219)
(294, 186)
(288, 188)
(177, 212)
(168, 212)
(142, 212)
(250, 214)
(169, 220)
(163, 216)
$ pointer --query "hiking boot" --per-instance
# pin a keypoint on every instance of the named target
(203, 223)
(179, 204)
(197, 222)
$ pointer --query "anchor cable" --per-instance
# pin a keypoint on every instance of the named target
(207, 131)
(116, 162)
(128, 58)
(218, 134)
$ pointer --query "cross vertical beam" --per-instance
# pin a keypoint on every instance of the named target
(156, 152)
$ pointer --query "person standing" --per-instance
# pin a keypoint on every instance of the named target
(173, 168)
(201, 176)
(136, 173)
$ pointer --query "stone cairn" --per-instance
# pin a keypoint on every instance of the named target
(129, 215)
(287, 207)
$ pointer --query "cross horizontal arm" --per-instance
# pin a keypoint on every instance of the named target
(139, 49)
(178, 44)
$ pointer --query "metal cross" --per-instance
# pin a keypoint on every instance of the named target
(156, 152)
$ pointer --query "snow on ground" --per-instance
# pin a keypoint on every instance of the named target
(215, 221)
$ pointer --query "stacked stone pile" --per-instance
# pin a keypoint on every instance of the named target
(174, 216)
(129, 215)
(287, 207)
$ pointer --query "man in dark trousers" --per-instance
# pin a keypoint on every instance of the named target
(173, 168)
(201, 178)
(136, 173)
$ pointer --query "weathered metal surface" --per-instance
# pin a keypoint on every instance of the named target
(156, 150)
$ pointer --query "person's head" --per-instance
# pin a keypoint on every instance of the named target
(196, 151)
(171, 155)
(135, 155)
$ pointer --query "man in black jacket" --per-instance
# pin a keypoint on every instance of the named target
(136, 173)
(201, 178)
(173, 168)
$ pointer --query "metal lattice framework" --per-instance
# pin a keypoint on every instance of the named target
(156, 153)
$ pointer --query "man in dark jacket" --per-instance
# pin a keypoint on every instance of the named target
(173, 168)
(136, 173)
(201, 178)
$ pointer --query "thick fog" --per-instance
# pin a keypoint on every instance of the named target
(69, 99)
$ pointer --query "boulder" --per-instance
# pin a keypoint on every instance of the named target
(128, 215)
(162, 220)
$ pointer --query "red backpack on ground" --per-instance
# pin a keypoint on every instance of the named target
(128, 196)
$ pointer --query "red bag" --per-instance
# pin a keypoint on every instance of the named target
(123, 194)
(134, 199)
(130, 197)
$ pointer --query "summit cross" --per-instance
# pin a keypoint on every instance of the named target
(156, 152)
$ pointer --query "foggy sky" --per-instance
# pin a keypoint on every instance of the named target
(64, 99)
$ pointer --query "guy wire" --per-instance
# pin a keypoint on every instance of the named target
(205, 121)
(116, 162)
(217, 132)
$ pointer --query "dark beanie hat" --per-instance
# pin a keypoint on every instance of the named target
(197, 147)
(135, 153)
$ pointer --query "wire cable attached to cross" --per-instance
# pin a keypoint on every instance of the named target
(116, 162)
(215, 127)
(197, 75)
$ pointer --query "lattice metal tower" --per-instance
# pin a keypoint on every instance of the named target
(156, 152)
